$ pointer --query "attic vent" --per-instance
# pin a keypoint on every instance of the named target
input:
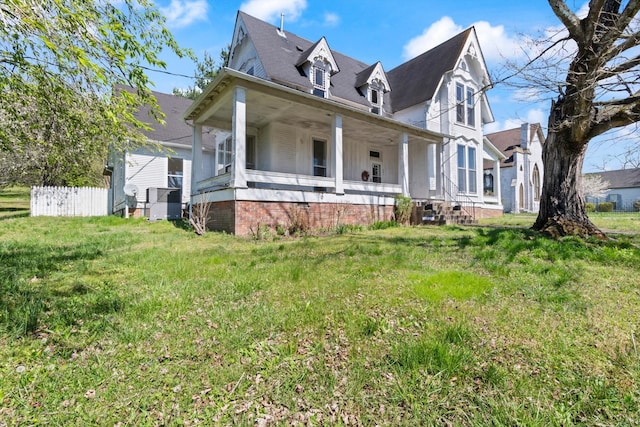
(299, 49)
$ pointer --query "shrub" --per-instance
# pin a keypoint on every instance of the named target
(590, 207)
(605, 207)
(636, 206)
(403, 209)
(382, 225)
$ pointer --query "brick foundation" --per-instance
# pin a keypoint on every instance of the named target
(245, 217)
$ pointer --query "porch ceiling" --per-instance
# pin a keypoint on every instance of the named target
(266, 105)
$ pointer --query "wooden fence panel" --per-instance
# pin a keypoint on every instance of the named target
(69, 201)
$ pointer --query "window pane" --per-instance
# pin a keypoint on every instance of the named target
(461, 162)
(471, 111)
(374, 96)
(175, 166)
(319, 158)
(462, 184)
(251, 152)
(472, 158)
(319, 76)
(459, 103)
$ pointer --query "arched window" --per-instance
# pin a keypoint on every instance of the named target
(521, 194)
(536, 183)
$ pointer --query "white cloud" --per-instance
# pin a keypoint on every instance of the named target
(494, 41)
(331, 19)
(534, 115)
(182, 13)
(269, 10)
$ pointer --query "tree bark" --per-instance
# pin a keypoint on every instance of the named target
(562, 203)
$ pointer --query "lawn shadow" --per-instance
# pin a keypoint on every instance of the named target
(23, 300)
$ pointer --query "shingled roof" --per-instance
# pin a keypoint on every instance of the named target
(176, 130)
(416, 80)
(622, 178)
(279, 56)
(411, 83)
(508, 141)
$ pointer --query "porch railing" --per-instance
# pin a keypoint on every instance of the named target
(290, 180)
(452, 192)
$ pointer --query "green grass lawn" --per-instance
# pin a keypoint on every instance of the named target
(14, 202)
(106, 321)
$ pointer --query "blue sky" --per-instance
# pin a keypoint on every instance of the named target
(390, 32)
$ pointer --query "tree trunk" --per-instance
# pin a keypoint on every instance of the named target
(562, 204)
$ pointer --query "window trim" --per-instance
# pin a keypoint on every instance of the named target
(318, 70)
(467, 172)
(177, 175)
(537, 185)
(325, 160)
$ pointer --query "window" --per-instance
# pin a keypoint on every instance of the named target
(462, 169)
(224, 156)
(459, 103)
(251, 152)
(471, 108)
(319, 86)
(376, 172)
(319, 158)
(471, 157)
(374, 96)
(488, 184)
(465, 105)
(467, 169)
(174, 173)
(536, 183)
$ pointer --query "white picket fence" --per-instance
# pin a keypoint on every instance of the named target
(69, 201)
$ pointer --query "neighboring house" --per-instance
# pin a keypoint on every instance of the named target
(313, 133)
(623, 189)
(159, 172)
(521, 171)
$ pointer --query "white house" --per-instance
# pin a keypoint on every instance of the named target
(521, 171)
(623, 189)
(306, 130)
(157, 175)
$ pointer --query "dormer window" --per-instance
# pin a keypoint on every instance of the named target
(318, 64)
(319, 88)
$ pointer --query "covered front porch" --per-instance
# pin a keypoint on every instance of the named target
(279, 144)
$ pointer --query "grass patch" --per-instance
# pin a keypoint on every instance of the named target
(14, 202)
(458, 285)
(107, 321)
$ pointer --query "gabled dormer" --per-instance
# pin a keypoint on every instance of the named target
(372, 82)
(318, 64)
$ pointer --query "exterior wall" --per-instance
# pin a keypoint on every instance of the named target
(623, 198)
(244, 56)
(507, 177)
(414, 116)
(145, 168)
(241, 217)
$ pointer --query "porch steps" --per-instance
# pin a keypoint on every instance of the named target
(441, 213)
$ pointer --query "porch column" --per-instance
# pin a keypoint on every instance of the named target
(239, 139)
(497, 188)
(336, 153)
(196, 158)
(403, 164)
(432, 167)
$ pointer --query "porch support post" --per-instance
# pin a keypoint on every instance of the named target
(239, 139)
(497, 188)
(196, 158)
(432, 168)
(336, 153)
(403, 164)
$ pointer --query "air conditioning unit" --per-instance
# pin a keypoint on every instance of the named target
(164, 203)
